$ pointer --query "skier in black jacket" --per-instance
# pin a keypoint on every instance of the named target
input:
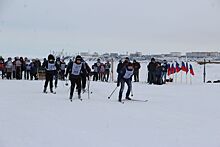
(76, 71)
(50, 67)
(86, 75)
(125, 76)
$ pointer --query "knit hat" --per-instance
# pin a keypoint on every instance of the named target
(51, 57)
(78, 57)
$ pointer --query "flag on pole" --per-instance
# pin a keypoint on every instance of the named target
(177, 67)
(168, 69)
(187, 68)
(191, 70)
(172, 69)
(183, 67)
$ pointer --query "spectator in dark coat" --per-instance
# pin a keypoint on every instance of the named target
(137, 67)
(151, 71)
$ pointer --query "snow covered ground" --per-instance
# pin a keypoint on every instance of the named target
(176, 115)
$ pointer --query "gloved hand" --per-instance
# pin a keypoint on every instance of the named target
(118, 84)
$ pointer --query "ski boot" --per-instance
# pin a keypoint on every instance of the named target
(71, 98)
(128, 98)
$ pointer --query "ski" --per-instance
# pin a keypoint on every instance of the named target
(71, 100)
(136, 100)
(50, 92)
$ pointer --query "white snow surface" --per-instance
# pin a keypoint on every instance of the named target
(176, 115)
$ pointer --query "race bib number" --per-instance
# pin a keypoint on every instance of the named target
(128, 74)
(76, 69)
(51, 66)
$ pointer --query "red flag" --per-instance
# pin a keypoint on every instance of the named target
(187, 68)
(183, 67)
(168, 69)
(177, 67)
(172, 69)
(191, 70)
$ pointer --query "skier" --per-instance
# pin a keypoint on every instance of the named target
(125, 76)
(76, 71)
(57, 71)
(86, 75)
(62, 69)
(50, 67)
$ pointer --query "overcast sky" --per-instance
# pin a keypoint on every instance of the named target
(149, 26)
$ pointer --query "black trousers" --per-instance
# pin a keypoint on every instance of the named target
(84, 82)
(26, 74)
(152, 77)
(56, 78)
(75, 81)
(49, 78)
(136, 76)
(107, 73)
(8, 75)
(95, 76)
(18, 73)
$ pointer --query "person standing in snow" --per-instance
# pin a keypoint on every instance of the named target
(152, 71)
(164, 71)
(9, 66)
(95, 72)
(98, 63)
(27, 69)
(137, 67)
(2, 66)
(51, 68)
(125, 76)
(76, 70)
(102, 72)
(107, 70)
(18, 65)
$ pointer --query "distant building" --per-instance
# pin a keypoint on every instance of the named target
(84, 54)
(105, 55)
(137, 54)
(95, 54)
(202, 54)
(175, 54)
(114, 55)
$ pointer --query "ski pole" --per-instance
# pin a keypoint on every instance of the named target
(66, 83)
(88, 85)
(112, 92)
(132, 92)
